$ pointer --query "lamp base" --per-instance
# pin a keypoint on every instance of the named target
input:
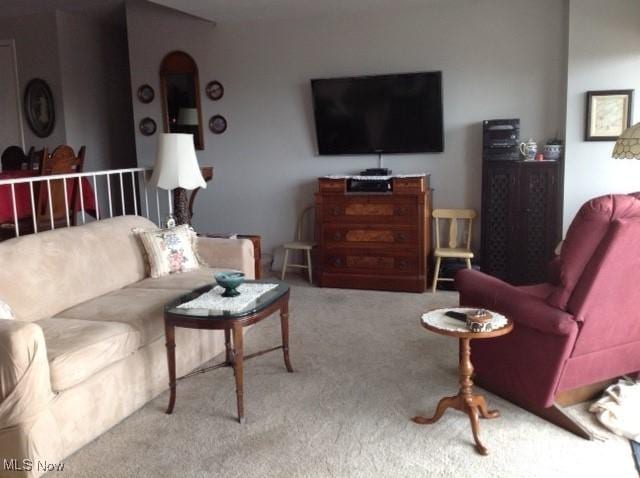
(181, 206)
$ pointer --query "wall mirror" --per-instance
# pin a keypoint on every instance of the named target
(180, 90)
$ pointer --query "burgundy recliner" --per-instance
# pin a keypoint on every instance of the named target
(580, 328)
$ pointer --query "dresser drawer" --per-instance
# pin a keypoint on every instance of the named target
(380, 210)
(336, 235)
(409, 185)
(370, 262)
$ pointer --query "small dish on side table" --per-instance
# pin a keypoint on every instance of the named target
(230, 281)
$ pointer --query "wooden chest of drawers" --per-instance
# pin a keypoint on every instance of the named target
(375, 240)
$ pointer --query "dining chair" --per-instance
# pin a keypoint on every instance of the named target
(453, 249)
(14, 159)
(36, 158)
(300, 245)
(62, 160)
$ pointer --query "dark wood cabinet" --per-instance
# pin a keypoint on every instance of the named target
(521, 218)
(373, 240)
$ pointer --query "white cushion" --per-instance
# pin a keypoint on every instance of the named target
(5, 311)
(169, 251)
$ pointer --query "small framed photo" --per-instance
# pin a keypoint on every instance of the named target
(608, 114)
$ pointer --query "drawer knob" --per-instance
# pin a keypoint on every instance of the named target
(401, 211)
(335, 211)
(337, 236)
(402, 264)
(401, 236)
(337, 262)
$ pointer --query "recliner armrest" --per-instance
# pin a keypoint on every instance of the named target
(481, 290)
(228, 253)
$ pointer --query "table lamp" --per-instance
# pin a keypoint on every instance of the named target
(628, 144)
(177, 169)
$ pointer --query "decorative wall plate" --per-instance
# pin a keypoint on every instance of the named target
(147, 126)
(146, 94)
(214, 90)
(39, 107)
(218, 124)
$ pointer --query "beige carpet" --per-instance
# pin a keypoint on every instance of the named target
(363, 366)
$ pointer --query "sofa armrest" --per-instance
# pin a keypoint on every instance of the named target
(228, 253)
(28, 428)
(25, 382)
(481, 290)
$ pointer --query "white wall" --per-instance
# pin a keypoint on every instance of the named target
(604, 54)
(499, 58)
(36, 42)
(95, 81)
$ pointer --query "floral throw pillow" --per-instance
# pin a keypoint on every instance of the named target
(5, 311)
(169, 251)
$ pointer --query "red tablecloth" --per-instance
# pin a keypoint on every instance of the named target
(23, 196)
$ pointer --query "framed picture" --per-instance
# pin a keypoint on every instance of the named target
(608, 114)
(39, 108)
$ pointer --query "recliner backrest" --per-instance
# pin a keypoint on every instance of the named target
(606, 298)
(585, 234)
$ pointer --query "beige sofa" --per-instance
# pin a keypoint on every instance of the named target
(87, 348)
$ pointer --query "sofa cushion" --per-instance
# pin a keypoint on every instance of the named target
(46, 273)
(142, 309)
(77, 349)
(186, 280)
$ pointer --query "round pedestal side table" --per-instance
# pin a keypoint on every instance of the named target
(474, 405)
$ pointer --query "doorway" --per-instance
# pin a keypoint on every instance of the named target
(11, 132)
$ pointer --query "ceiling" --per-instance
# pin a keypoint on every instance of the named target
(224, 11)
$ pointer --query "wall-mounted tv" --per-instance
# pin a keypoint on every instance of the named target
(399, 113)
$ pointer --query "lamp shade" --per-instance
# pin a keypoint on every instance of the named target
(628, 144)
(188, 116)
(176, 163)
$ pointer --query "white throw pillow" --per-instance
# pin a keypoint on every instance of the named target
(5, 311)
(169, 251)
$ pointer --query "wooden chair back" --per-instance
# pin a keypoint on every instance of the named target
(455, 216)
(303, 220)
(13, 158)
(36, 159)
(62, 161)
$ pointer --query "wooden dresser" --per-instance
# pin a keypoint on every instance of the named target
(373, 240)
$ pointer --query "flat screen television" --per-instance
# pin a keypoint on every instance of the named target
(399, 113)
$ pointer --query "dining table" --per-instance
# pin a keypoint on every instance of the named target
(23, 196)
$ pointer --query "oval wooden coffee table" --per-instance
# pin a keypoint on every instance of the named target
(466, 401)
(276, 299)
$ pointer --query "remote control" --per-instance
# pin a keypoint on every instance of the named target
(456, 315)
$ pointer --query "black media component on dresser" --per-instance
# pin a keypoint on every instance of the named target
(521, 218)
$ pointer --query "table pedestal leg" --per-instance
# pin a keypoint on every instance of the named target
(284, 326)
(237, 369)
(466, 401)
(169, 332)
